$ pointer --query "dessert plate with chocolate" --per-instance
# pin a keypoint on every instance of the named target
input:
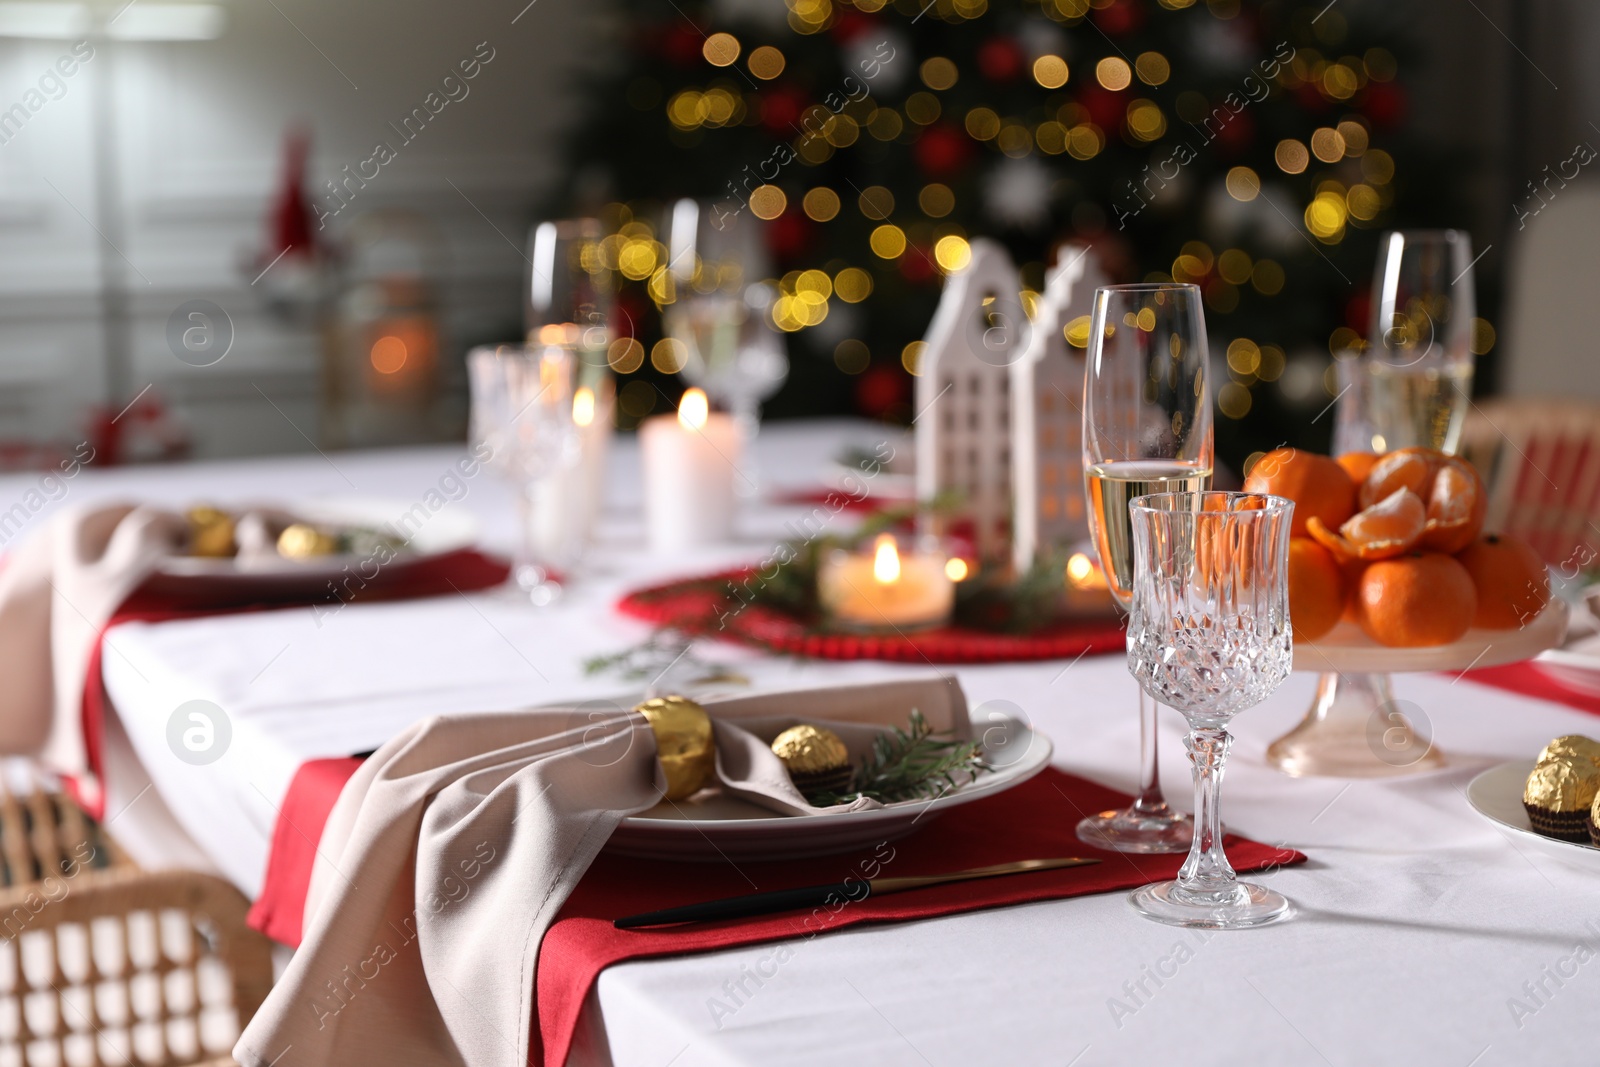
(1552, 802)
(313, 541)
(820, 795)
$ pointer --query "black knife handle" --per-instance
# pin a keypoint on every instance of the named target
(751, 904)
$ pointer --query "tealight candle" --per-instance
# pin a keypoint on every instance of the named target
(1087, 592)
(690, 461)
(886, 590)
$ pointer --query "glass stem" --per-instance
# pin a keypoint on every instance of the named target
(1150, 800)
(525, 569)
(1206, 876)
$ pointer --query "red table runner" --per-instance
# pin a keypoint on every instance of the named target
(711, 607)
(450, 572)
(1035, 820)
(1527, 679)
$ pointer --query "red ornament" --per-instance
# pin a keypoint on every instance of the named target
(1358, 311)
(681, 44)
(848, 24)
(1105, 108)
(781, 107)
(916, 264)
(1119, 18)
(290, 223)
(1238, 133)
(788, 235)
(1385, 104)
(881, 387)
(942, 150)
(1001, 59)
(1311, 98)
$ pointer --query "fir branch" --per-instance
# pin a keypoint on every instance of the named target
(911, 764)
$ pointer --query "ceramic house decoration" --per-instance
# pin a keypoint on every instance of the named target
(1047, 413)
(963, 395)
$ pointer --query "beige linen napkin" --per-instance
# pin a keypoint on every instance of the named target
(57, 592)
(450, 851)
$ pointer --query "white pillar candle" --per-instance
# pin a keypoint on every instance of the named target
(690, 462)
(566, 502)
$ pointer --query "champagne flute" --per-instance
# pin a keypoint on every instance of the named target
(1419, 362)
(1146, 429)
(721, 312)
(522, 417)
(1208, 634)
(569, 296)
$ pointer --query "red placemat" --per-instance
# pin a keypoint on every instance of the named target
(1033, 821)
(710, 607)
(448, 573)
(1529, 680)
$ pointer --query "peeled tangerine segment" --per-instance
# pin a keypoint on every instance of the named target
(1407, 468)
(1386, 529)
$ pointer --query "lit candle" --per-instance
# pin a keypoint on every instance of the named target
(1087, 592)
(690, 461)
(888, 590)
(566, 502)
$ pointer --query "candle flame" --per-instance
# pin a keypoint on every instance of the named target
(583, 406)
(694, 409)
(956, 569)
(1082, 573)
(886, 560)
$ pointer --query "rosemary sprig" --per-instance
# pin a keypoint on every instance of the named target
(911, 764)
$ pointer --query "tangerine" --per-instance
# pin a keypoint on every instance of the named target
(1449, 488)
(1512, 583)
(1316, 589)
(1417, 600)
(1319, 487)
(1387, 529)
(1357, 464)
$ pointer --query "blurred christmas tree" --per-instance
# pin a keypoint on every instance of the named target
(1254, 148)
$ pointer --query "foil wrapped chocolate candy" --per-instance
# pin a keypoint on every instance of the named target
(303, 541)
(1572, 745)
(685, 744)
(1559, 795)
(211, 533)
(816, 758)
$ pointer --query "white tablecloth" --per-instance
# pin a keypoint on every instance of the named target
(1423, 935)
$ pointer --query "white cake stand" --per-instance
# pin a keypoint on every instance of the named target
(1356, 728)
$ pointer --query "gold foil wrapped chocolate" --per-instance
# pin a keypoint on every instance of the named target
(1572, 745)
(685, 744)
(211, 533)
(303, 541)
(815, 757)
(1563, 784)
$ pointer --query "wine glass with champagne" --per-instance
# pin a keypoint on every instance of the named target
(1146, 429)
(1419, 361)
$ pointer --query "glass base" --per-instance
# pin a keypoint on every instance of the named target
(533, 584)
(1247, 905)
(1356, 729)
(1131, 830)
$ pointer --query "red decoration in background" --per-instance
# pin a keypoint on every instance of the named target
(1104, 107)
(788, 235)
(681, 44)
(848, 24)
(1000, 59)
(1238, 133)
(780, 110)
(942, 150)
(290, 222)
(1358, 311)
(916, 264)
(1384, 103)
(1310, 97)
(881, 387)
(1123, 16)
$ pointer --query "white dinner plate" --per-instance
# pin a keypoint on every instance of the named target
(1496, 794)
(1347, 649)
(713, 826)
(431, 534)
